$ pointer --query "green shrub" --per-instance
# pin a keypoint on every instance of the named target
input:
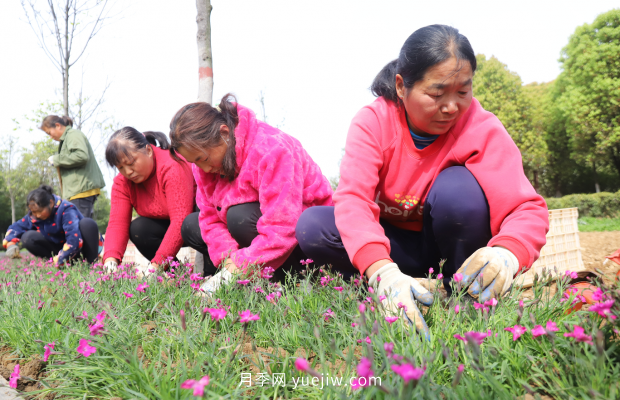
(599, 205)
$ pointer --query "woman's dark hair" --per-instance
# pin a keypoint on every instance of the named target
(197, 126)
(51, 120)
(425, 47)
(128, 140)
(41, 196)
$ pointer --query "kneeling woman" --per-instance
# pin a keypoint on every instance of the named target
(428, 174)
(254, 181)
(53, 228)
(160, 189)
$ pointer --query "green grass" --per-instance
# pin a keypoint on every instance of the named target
(591, 224)
(146, 352)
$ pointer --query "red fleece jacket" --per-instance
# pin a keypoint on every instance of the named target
(383, 175)
(168, 193)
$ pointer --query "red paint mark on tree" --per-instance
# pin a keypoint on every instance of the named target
(205, 72)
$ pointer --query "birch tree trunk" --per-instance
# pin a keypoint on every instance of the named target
(205, 58)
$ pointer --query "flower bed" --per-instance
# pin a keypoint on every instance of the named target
(117, 336)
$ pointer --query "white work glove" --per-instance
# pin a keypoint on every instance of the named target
(12, 251)
(496, 265)
(400, 288)
(51, 160)
(110, 266)
(213, 283)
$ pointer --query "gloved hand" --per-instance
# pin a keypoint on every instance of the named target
(51, 160)
(12, 251)
(213, 283)
(110, 266)
(497, 266)
(401, 288)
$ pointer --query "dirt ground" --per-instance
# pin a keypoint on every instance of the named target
(595, 246)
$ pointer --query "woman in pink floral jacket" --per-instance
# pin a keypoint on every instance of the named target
(253, 183)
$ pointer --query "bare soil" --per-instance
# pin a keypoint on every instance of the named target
(595, 246)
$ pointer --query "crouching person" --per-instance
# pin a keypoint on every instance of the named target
(253, 183)
(53, 228)
(160, 189)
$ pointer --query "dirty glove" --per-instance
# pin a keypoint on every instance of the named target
(401, 288)
(110, 266)
(51, 160)
(211, 285)
(12, 251)
(497, 266)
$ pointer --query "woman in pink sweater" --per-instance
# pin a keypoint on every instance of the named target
(160, 189)
(254, 181)
(427, 175)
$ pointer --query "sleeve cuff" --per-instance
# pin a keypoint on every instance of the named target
(369, 254)
(516, 248)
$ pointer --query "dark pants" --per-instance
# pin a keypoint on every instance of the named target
(241, 221)
(147, 234)
(39, 246)
(456, 223)
(86, 205)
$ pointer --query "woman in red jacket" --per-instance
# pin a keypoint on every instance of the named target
(161, 190)
(428, 174)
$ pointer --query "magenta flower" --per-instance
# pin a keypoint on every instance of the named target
(302, 364)
(430, 271)
(457, 309)
(40, 305)
(160, 279)
(401, 305)
(461, 368)
(267, 272)
(598, 295)
(96, 329)
(353, 324)
(408, 372)
(14, 377)
(477, 337)
(571, 274)
(216, 313)
(328, 314)
(85, 349)
(457, 277)
(368, 340)
(194, 277)
(538, 330)
(362, 308)
(198, 386)
(48, 350)
(478, 306)
(243, 282)
(142, 287)
(579, 335)
(604, 309)
(379, 279)
(309, 261)
(128, 295)
(247, 316)
(551, 326)
(259, 289)
(364, 370)
(440, 276)
(339, 288)
(521, 303)
(388, 347)
(391, 320)
(382, 297)
(517, 331)
(491, 303)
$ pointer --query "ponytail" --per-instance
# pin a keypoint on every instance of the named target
(51, 120)
(385, 82)
(127, 140)
(157, 139)
(41, 196)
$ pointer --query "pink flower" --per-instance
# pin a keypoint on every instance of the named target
(160, 279)
(598, 295)
(368, 340)
(457, 309)
(48, 350)
(517, 331)
(457, 277)
(259, 289)
(370, 289)
(85, 349)
(353, 324)
(571, 274)
(142, 287)
(388, 347)
(198, 386)
(461, 368)
(301, 364)
(363, 371)
(128, 295)
(408, 372)
(309, 261)
(356, 281)
(478, 337)
(14, 377)
(339, 288)
(328, 314)
(551, 326)
(521, 303)
(579, 335)
(96, 329)
(538, 330)
(491, 303)
(216, 313)
(378, 279)
(401, 305)
(267, 272)
(40, 305)
(195, 277)
(247, 316)
(362, 308)
(478, 306)
(431, 270)
(243, 282)
(440, 276)
(391, 320)
(604, 309)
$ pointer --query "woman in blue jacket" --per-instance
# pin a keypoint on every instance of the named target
(53, 228)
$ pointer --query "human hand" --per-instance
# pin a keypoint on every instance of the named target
(496, 265)
(402, 289)
(51, 160)
(110, 265)
(12, 251)
(213, 283)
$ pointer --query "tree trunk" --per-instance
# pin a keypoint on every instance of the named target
(65, 72)
(205, 57)
(597, 187)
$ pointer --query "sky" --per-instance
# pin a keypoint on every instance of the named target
(312, 61)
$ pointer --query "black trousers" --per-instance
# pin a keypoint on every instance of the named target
(39, 246)
(241, 220)
(147, 234)
(86, 205)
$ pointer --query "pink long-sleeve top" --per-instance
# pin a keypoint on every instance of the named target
(273, 169)
(168, 193)
(383, 175)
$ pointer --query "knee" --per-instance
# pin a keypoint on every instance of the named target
(138, 228)
(88, 225)
(28, 238)
(457, 194)
(312, 225)
(242, 218)
(190, 227)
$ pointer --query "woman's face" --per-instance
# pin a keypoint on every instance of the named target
(55, 132)
(209, 159)
(435, 103)
(40, 213)
(138, 166)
